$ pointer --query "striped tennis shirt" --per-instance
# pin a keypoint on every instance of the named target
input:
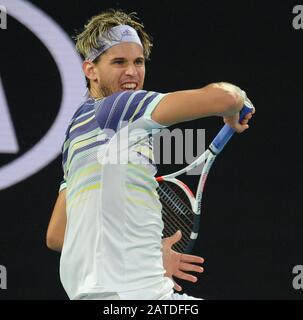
(112, 241)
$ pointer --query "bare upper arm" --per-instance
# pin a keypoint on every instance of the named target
(57, 224)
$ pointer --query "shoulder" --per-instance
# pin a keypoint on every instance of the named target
(85, 108)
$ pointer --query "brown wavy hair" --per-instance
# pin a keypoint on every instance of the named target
(100, 24)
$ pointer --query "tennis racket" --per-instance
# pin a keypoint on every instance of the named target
(181, 208)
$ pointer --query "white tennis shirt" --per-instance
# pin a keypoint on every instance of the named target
(114, 226)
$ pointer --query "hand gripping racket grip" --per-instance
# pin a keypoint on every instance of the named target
(227, 132)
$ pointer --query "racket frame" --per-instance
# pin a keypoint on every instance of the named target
(208, 157)
(195, 199)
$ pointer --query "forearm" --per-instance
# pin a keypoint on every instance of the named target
(217, 99)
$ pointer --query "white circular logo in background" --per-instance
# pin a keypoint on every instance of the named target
(73, 84)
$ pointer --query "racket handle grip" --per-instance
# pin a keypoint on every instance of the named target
(227, 132)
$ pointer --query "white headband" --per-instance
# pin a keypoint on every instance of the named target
(118, 34)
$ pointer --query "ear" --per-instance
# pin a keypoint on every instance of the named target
(89, 70)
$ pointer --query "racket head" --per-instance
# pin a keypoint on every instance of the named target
(178, 212)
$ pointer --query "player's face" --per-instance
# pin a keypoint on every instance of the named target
(121, 67)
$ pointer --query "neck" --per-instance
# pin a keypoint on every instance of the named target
(95, 93)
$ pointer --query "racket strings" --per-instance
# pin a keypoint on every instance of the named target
(176, 197)
(177, 213)
(176, 205)
(175, 220)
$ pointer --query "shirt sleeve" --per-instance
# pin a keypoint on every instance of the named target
(62, 185)
(151, 107)
(64, 154)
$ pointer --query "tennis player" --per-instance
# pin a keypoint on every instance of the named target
(107, 218)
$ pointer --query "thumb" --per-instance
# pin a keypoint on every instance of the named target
(176, 237)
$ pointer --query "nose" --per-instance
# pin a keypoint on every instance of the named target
(131, 70)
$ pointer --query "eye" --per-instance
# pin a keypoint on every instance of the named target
(139, 62)
(119, 62)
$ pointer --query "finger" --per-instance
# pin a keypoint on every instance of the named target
(191, 258)
(239, 128)
(245, 121)
(177, 287)
(190, 267)
(185, 276)
(248, 116)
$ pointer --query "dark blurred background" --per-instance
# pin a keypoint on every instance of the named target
(251, 225)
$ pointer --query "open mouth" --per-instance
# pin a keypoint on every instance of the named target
(129, 86)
